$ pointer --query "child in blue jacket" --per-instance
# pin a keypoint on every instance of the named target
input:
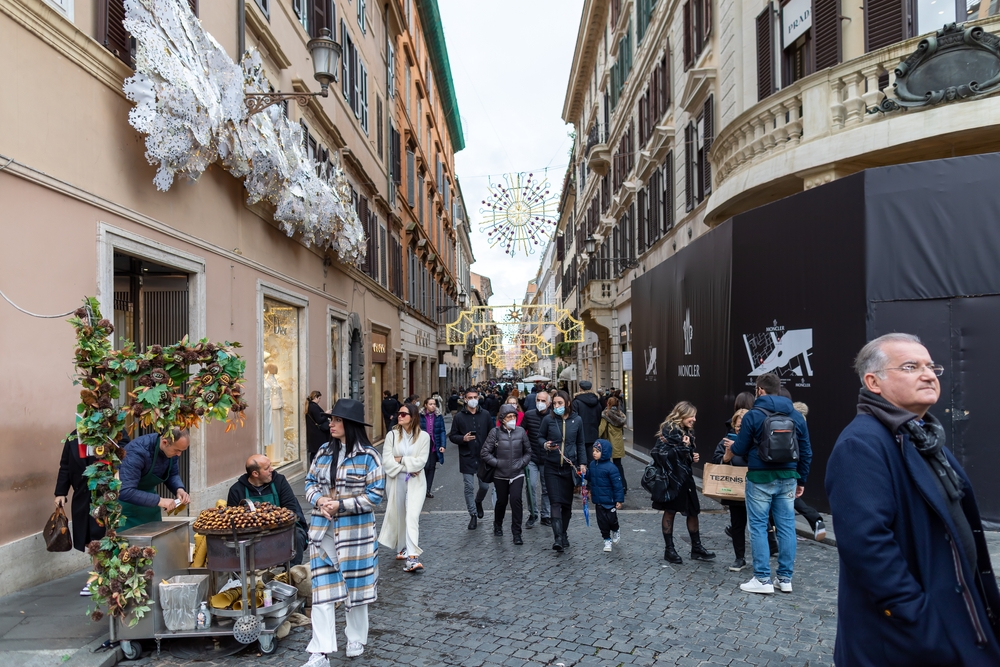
(605, 483)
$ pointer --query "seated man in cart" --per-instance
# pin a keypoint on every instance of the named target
(151, 460)
(263, 484)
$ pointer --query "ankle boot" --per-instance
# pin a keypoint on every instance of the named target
(698, 550)
(564, 540)
(557, 531)
(669, 553)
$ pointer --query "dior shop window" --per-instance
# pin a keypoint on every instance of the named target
(280, 399)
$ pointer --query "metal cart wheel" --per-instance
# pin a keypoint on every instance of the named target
(267, 644)
(132, 650)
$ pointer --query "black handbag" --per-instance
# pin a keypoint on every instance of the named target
(486, 472)
(657, 482)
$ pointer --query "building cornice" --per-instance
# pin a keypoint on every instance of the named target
(589, 34)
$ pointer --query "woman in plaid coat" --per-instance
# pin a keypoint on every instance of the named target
(343, 551)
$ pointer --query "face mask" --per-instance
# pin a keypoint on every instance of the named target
(510, 424)
(559, 410)
(472, 403)
(541, 405)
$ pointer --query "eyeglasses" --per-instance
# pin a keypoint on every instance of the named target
(402, 413)
(910, 369)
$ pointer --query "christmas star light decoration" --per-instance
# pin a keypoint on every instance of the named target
(519, 213)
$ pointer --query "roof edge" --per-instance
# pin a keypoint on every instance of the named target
(430, 18)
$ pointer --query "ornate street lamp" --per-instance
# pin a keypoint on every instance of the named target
(590, 245)
(325, 55)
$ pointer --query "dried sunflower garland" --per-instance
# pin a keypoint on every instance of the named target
(167, 394)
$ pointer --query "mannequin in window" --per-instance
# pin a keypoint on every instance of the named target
(274, 436)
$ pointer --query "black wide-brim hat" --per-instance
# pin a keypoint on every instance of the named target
(350, 410)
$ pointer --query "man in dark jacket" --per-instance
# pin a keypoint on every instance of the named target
(491, 403)
(151, 460)
(261, 483)
(469, 429)
(588, 406)
(771, 488)
(390, 406)
(916, 583)
(538, 496)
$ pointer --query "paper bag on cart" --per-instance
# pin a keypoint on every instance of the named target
(724, 482)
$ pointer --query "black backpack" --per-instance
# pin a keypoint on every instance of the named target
(779, 441)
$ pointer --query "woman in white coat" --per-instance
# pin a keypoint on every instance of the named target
(404, 455)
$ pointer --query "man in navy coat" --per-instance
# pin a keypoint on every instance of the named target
(916, 584)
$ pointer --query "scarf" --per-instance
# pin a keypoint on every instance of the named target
(614, 416)
(927, 436)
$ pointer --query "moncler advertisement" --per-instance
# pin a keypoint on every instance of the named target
(798, 286)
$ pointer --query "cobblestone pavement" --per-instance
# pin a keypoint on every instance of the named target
(483, 601)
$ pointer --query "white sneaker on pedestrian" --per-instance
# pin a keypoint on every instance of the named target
(607, 546)
(354, 649)
(317, 660)
(755, 585)
(820, 531)
(85, 593)
(616, 536)
(401, 555)
(785, 585)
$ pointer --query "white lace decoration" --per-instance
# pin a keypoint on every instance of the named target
(188, 96)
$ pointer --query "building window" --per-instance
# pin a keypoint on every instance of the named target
(361, 17)
(378, 124)
(697, 27)
(623, 65)
(265, 7)
(301, 9)
(280, 396)
(336, 327)
(643, 17)
(410, 178)
(698, 137)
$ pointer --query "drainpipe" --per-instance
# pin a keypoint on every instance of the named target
(241, 27)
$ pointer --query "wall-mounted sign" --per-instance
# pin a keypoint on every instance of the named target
(626, 361)
(442, 370)
(796, 18)
(380, 351)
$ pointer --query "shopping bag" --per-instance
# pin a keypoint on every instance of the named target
(56, 533)
(724, 482)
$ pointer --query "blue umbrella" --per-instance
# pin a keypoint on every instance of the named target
(585, 494)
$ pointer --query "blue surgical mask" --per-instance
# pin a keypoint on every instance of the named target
(559, 410)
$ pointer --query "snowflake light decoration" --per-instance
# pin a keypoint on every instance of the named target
(519, 213)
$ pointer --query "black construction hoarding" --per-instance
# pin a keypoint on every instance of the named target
(679, 341)
(798, 286)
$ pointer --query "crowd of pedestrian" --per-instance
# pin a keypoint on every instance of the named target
(916, 581)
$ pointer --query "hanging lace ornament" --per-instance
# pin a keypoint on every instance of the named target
(188, 96)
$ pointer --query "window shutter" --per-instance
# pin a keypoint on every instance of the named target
(641, 237)
(560, 248)
(765, 68)
(707, 139)
(706, 20)
(884, 23)
(689, 132)
(194, 6)
(397, 167)
(112, 32)
(667, 219)
(410, 180)
(688, 56)
(826, 31)
(345, 71)
(320, 17)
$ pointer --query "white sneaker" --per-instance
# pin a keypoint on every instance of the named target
(354, 649)
(401, 555)
(819, 533)
(616, 536)
(607, 546)
(317, 660)
(785, 585)
(755, 585)
(85, 593)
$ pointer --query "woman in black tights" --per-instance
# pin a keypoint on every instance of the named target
(561, 437)
(674, 453)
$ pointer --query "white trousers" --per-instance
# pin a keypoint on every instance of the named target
(324, 637)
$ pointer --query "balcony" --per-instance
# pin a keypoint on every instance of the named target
(597, 151)
(596, 302)
(818, 129)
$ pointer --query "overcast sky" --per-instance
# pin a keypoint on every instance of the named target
(510, 63)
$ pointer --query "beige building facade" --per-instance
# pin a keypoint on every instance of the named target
(688, 113)
(82, 217)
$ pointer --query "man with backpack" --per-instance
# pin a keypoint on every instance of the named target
(774, 440)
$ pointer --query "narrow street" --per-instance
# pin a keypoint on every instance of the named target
(483, 601)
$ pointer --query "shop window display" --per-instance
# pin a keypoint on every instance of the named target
(280, 395)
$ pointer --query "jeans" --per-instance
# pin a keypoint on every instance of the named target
(513, 491)
(777, 498)
(539, 496)
(471, 495)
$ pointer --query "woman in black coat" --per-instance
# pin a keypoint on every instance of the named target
(71, 467)
(317, 425)
(737, 508)
(561, 436)
(674, 452)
